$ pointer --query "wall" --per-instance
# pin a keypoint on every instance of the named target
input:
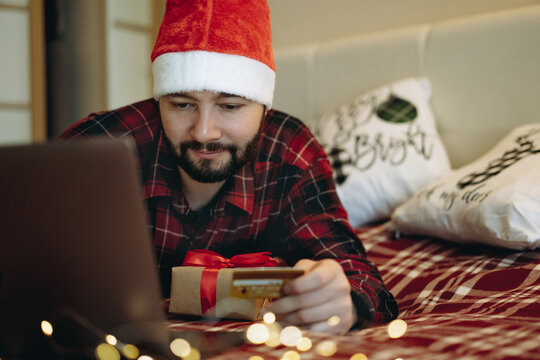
(129, 43)
(104, 59)
(306, 21)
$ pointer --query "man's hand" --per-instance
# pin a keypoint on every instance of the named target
(323, 292)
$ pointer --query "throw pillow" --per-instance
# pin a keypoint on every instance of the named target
(383, 147)
(494, 200)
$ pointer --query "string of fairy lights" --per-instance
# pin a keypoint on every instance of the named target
(267, 332)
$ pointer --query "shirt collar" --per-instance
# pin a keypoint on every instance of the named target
(241, 192)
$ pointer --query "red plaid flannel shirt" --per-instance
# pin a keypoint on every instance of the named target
(284, 201)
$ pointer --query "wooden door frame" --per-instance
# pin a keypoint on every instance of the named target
(38, 94)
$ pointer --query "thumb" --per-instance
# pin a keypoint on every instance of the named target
(305, 264)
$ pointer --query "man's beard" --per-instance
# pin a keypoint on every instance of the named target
(201, 170)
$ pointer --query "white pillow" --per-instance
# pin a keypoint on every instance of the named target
(495, 200)
(383, 147)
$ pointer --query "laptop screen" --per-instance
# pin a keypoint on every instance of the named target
(75, 249)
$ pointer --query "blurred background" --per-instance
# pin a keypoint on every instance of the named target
(61, 60)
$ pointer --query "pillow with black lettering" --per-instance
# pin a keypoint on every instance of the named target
(383, 147)
(495, 200)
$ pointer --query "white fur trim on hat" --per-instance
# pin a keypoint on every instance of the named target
(202, 70)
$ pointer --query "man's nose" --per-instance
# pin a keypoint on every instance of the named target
(206, 126)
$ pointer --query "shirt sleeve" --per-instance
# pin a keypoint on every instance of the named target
(316, 227)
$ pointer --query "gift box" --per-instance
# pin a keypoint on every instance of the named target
(186, 296)
(202, 286)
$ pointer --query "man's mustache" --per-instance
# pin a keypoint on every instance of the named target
(210, 146)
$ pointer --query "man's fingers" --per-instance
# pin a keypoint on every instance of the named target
(317, 275)
(297, 302)
(323, 292)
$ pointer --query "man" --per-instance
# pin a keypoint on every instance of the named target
(222, 171)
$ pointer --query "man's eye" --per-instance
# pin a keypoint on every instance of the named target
(230, 107)
(182, 105)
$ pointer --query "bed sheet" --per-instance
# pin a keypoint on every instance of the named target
(458, 301)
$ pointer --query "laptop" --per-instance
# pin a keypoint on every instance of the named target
(76, 254)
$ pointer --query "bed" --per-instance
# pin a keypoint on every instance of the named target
(462, 294)
(459, 302)
(467, 299)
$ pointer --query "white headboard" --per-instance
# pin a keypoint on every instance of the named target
(484, 73)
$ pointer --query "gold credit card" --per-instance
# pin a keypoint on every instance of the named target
(262, 282)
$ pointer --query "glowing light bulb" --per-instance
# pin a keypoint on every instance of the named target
(397, 328)
(194, 354)
(291, 355)
(107, 352)
(256, 357)
(130, 351)
(269, 318)
(274, 327)
(359, 356)
(326, 348)
(111, 340)
(290, 335)
(46, 327)
(304, 344)
(257, 333)
(333, 321)
(145, 357)
(180, 347)
(273, 340)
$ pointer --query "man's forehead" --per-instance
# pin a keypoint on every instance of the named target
(196, 95)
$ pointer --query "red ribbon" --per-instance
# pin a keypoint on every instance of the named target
(213, 262)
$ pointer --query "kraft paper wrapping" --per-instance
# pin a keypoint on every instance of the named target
(186, 295)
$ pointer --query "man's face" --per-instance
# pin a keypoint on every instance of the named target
(212, 135)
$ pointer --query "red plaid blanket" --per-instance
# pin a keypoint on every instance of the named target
(459, 302)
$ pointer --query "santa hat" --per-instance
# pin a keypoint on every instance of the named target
(217, 45)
